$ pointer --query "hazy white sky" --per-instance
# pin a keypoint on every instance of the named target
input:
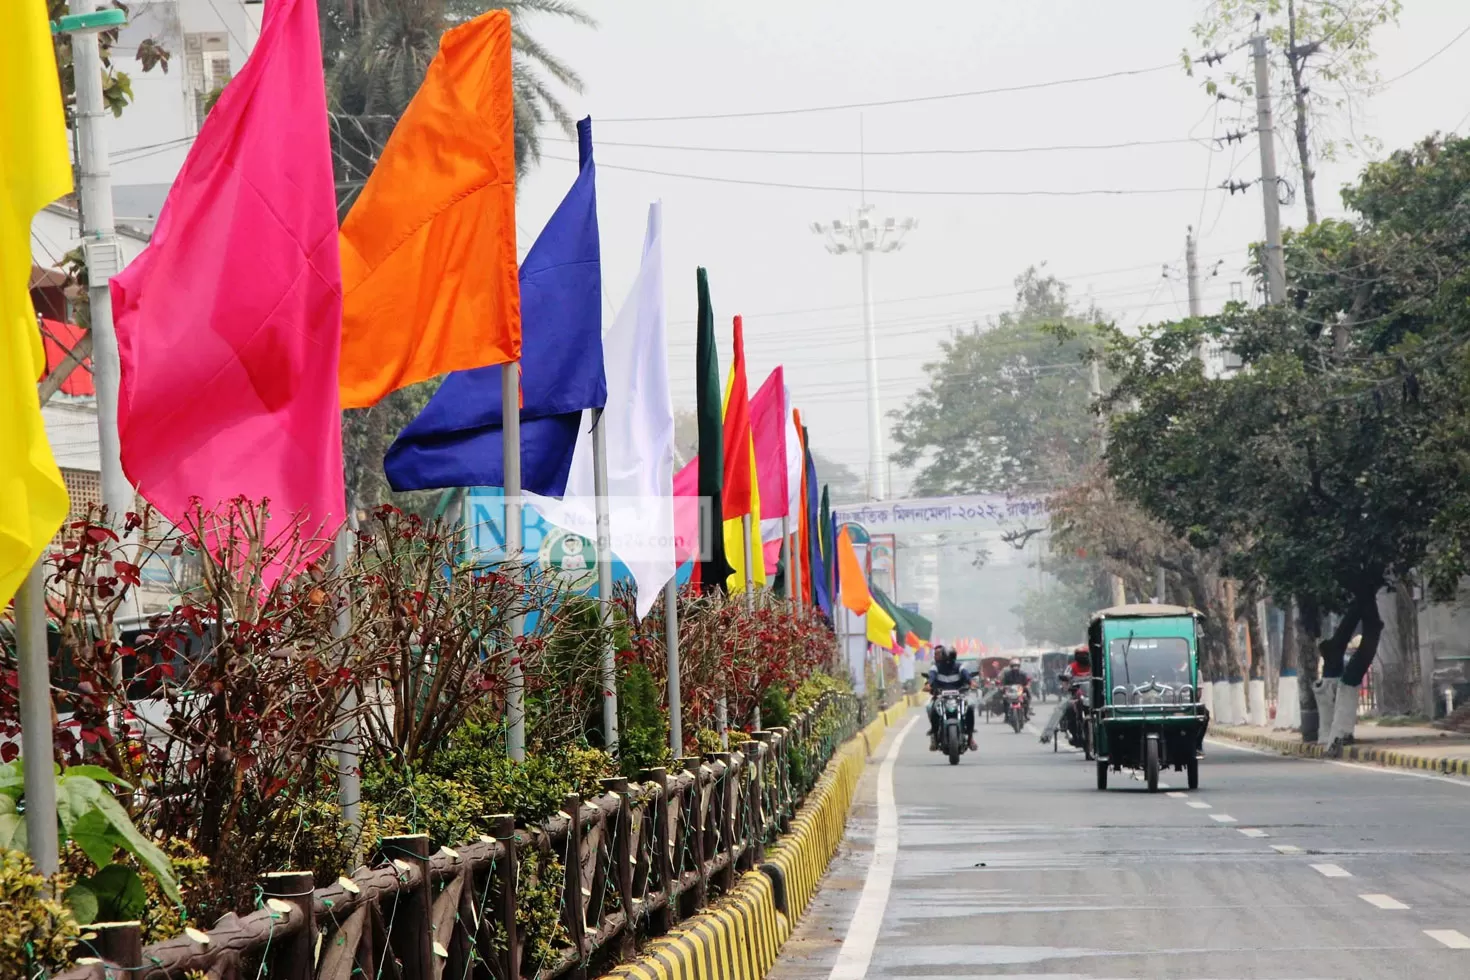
(802, 305)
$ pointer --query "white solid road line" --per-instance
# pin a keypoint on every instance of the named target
(1198, 805)
(1253, 832)
(1331, 871)
(1449, 937)
(1384, 902)
(1222, 818)
(1286, 849)
(862, 932)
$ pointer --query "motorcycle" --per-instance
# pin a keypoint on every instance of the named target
(1075, 721)
(1015, 706)
(952, 738)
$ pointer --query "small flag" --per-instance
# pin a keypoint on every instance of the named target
(714, 570)
(741, 493)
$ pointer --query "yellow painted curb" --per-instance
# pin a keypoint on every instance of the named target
(740, 937)
(1350, 753)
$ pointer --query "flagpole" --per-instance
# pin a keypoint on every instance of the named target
(515, 686)
(749, 576)
(349, 777)
(34, 662)
(793, 565)
(671, 643)
(604, 583)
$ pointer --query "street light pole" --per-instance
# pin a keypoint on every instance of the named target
(866, 236)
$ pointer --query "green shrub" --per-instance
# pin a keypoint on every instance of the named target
(775, 708)
(37, 933)
(643, 730)
(810, 690)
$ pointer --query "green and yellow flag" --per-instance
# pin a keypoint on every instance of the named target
(34, 171)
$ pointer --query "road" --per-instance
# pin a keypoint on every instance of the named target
(1013, 864)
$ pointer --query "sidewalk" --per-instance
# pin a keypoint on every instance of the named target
(1400, 747)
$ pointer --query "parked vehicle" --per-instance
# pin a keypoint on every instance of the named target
(1147, 713)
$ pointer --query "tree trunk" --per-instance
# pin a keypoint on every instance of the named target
(1309, 634)
(1257, 711)
(1288, 686)
(1354, 669)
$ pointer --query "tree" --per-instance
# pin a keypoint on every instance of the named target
(1336, 463)
(1006, 408)
(1321, 63)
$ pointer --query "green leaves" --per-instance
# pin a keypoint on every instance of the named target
(90, 817)
(114, 894)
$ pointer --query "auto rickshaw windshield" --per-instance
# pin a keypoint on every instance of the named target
(1137, 660)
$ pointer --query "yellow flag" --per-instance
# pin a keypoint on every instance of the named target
(880, 626)
(34, 171)
(735, 539)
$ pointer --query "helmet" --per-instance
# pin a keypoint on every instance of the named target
(944, 657)
(1015, 662)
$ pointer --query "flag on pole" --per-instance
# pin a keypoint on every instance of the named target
(853, 582)
(34, 171)
(456, 441)
(714, 568)
(768, 432)
(806, 519)
(827, 533)
(229, 322)
(880, 626)
(639, 417)
(741, 493)
(429, 249)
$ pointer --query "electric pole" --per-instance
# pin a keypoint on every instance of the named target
(104, 259)
(1266, 138)
(1191, 266)
(1094, 378)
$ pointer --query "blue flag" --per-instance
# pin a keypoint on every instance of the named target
(456, 440)
(815, 563)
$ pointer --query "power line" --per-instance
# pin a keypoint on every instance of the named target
(1027, 87)
(1405, 74)
(916, 192)
(936, 151)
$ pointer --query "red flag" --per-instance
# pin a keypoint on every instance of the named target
(768, 430)
(229, 322)
(735, 498)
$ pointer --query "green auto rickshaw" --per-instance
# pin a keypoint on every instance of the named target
(1145, 679)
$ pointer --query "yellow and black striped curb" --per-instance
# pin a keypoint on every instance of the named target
(738, 938)
(1350, 753)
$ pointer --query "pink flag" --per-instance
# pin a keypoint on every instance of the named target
(686, 512)
(768, 430)
(229, 322)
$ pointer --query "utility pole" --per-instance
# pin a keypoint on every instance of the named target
(1094, 379)
(1266, 137)
(104, 259)
(1191, 266)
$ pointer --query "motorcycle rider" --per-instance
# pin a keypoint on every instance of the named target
(1015, 675)
(1077, 671)
(948, 675)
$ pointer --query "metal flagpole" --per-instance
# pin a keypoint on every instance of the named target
(749, 577)
(671, 642)
(349, 777)
(34, 662)
(604, 583)
(515, 693)
(793, 566)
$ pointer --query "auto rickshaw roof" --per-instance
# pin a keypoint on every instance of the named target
(1143, 610)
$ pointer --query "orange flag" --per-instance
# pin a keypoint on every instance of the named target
(854, 583)
(429, 277)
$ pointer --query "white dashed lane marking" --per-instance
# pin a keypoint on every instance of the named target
(1222, 818)
(1383, 902)
(1253, 832)
(1331, 871)
(1286, 849)
(1198, 805)
(1449, 937)
(1177, 796)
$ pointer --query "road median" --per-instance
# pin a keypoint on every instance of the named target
(1422, 758)
(741, 934)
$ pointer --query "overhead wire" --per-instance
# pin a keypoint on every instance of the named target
(932, 151)
(880, 103)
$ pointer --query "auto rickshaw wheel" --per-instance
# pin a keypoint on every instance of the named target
(1191, 768)
(1151, 762)
(1102, 774)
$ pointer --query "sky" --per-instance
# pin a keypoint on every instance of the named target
(802, 305)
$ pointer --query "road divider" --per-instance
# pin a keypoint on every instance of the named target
(739, 937)
(1388, 758)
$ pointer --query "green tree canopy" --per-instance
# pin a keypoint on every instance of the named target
(1006, 407)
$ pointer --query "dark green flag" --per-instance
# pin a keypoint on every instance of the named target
(829, 541)
(708, 395)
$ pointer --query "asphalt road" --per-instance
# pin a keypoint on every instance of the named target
(1013, 864)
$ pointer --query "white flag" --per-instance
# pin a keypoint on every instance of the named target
(640, 437)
